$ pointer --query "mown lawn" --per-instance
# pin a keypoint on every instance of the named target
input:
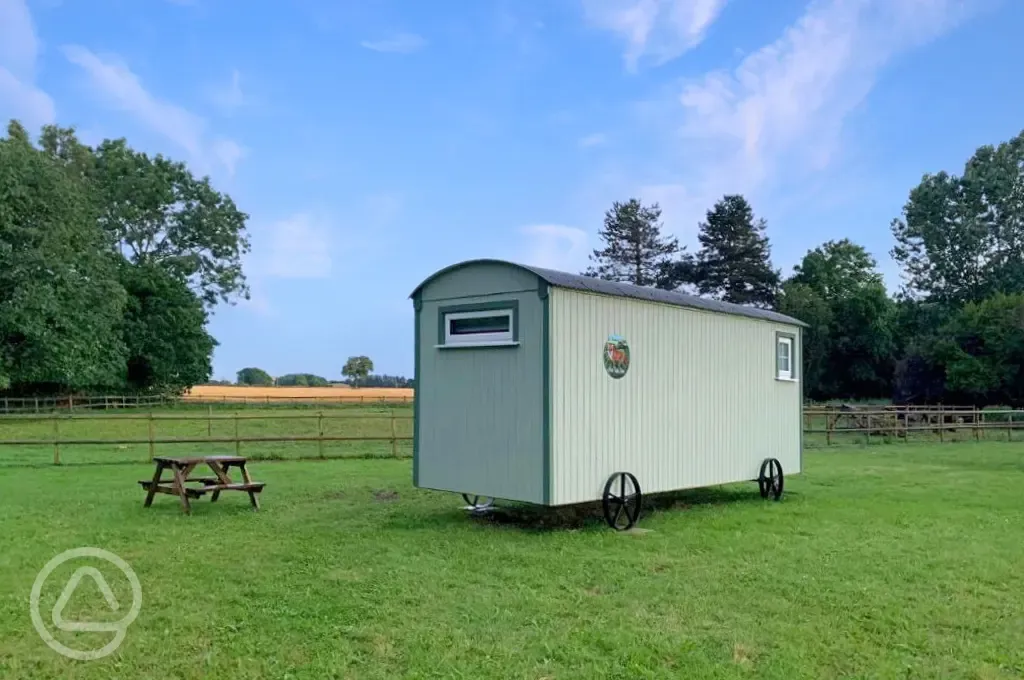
(881, 562)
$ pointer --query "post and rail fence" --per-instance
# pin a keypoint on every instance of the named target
(133, 436)
(9, 405)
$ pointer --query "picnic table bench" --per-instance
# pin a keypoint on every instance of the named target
(181, 468)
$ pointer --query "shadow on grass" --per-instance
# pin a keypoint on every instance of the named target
(538, 518)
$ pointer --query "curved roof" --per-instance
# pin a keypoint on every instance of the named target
(628, 290)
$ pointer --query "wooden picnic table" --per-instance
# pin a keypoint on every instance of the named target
(181, 468)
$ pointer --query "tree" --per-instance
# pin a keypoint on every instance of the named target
(961, 239)
(635, 251)
(254, 376)
(982, 351)
(302, 380)
(837, 290)
(357, 369)
(155, 211)
(165, 331)
(61, 304)
(801, 301)
(734, 262)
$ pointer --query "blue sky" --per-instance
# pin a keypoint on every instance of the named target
(373, 142)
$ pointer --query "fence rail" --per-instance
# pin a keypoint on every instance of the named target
(107, 437)
(119, 402)
(111, 437)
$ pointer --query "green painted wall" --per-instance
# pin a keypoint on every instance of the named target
(480, 412)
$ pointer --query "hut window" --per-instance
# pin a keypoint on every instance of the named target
(482, 327)
(783, 357)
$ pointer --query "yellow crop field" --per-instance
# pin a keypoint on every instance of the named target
(340, 393)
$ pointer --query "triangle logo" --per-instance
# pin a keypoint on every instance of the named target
(69, 590)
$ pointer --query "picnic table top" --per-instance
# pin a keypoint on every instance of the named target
(192, 460)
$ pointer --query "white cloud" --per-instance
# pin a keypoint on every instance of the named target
(659, 30)
(596, 139)
(781, 112)
(297, 247)
(19, 50)
(112, 80)
(399, 43)
(555, 246)
(228, 97)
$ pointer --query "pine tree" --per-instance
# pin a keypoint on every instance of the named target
(635, 251)
(734, 262)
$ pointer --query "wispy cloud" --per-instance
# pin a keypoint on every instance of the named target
(19, 49)
(555, 246)
(596, 139)
(228, 97)
(399, 43)
(785, 105)
(296, 247)
(655, 30)
(113, 81)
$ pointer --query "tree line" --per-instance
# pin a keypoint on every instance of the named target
(954, 331)
(110, 263)
(357, 372)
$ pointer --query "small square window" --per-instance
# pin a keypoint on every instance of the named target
(483, 327)
(784, 358)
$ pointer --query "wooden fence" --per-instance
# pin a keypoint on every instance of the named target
(849, 424)
(131, 436)
(105, 437)
(119, 402)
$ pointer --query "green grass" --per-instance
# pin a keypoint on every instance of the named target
(881, 562)
(190, 422)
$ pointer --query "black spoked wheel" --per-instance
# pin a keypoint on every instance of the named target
(478, 503)
(771, 480)
(622, 501)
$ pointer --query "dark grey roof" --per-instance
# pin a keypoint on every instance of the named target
(587, 283)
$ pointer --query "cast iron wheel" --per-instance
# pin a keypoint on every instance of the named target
(478, 502)
(771, 481)
(622, 501)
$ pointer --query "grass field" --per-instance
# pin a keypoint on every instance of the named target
(881, 562)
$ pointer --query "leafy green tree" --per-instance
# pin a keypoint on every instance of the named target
(169, 348)
(848, 349)
(254, 376)
(734, 261)
(801, 301)
(302, 380)
(982, 351)
(961, 238)
(634, 249)
(356, 369)
(155, 211)
(61, 305)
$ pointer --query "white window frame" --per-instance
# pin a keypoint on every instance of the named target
(479, 339)
(787, 342)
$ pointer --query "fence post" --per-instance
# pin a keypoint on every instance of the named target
(71, 402)
(977, 432)
(37, 404)
(320, 433)
(238, 444)
(828, 428)
(942, 423)
(56, 438)
(209, 420)
(152, 444)
(394, 436)
(1009, 428)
